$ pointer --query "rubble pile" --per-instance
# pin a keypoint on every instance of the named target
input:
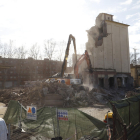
(73, 96)
(131, 93)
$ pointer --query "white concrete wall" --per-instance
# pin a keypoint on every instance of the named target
(114, 52)
(117, 47)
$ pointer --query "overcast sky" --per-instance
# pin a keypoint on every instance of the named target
(32, 21)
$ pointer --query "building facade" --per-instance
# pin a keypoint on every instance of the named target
(135, 73)
(108, 47)
(26, 70)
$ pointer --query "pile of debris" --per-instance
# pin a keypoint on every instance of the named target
(72, 95)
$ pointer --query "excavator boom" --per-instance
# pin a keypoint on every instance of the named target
(64, 65)
(80, 60)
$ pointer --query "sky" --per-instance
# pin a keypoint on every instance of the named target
(27, 22)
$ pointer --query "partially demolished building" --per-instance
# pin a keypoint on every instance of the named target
(108, 46)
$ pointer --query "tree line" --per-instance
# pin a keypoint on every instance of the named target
(51, 49)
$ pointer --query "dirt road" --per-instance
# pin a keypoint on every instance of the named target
(2, 110)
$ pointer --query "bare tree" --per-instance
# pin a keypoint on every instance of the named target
(34, 51)
(132, 58)
(11, 50)
(40, 56)
(5, 50)
(21, 52)
(61, 51)
(1, 49)
(49, 47)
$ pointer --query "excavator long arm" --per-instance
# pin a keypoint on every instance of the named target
(64, 65)
(80, 60)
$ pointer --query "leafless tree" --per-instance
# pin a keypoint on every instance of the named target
(49, 47)
(34, 51)
(1, 49)
(61, 52)
(21, 52)
(11, 50)
(5, 50)
(132, 58)
(40, 56)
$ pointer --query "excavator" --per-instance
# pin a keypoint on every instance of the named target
(74, 77)
(83, 57)
(61, 76)
(64, 65)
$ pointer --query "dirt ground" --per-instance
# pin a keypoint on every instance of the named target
(2, 110)
(97, 111)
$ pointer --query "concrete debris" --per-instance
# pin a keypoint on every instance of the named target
(132, 93)
(71, 95)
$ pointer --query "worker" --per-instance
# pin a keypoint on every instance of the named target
(3, 130)
(109, 119)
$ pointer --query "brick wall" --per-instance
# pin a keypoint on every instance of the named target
(27, 69)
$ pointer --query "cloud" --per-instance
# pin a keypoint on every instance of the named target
(127, 2)
(136, 5)
(97, 1)
(135, 28)
(134, 34)
(130, 16)
(117, 9)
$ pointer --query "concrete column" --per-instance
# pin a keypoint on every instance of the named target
(123, 81)
(115, 82)
(95, 80)
(106, 82)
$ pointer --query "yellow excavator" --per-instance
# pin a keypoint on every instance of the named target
(61, 76)
(64, 65)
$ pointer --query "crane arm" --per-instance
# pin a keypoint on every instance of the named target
(80, 60)
(64, 65)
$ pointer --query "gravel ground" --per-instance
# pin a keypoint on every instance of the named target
(97, 111)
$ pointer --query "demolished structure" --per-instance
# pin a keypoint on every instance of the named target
(108, 46)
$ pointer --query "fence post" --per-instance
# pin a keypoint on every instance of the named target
(9, 132)
(76, 136)
(125, 132)
(20, 114)
(58, 129)
(53, 121)
(139, 111)
(129, 112)
(114, 121)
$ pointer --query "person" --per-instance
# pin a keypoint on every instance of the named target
(3, 130)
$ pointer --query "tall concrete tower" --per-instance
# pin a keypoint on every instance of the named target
(108, 42)
(108, 45)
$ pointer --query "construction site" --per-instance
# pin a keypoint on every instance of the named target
(96, 99)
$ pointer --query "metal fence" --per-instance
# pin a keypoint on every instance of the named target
(126, 119)
(79, 124)
(119, 128)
